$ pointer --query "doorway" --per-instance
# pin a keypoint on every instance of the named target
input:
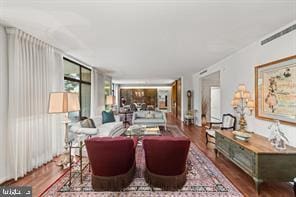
(176, 99)
(211, 98)
(215, 108)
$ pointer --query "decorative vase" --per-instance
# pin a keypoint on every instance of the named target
(277, 137)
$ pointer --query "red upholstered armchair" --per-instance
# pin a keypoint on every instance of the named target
(112, 161)
(166, 161)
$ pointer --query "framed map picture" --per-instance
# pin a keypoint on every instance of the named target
(275, 90)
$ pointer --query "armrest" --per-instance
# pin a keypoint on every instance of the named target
(215, 123)
(87, 131)
(164, 117)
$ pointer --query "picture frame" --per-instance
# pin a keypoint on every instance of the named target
(275, 90)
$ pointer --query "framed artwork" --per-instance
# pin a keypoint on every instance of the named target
(275, 90)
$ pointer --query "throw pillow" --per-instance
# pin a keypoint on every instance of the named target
(92, 123)
(107, 117)
(84, 123)
(87, 123)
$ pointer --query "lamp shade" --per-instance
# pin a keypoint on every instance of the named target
(63, 102)
(251, 104)
(242, 87)
(237, 95)
(246, 94)
(110, 100)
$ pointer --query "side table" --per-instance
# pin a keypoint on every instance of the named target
(78, 145)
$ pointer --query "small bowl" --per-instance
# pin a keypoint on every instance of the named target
(243, 136)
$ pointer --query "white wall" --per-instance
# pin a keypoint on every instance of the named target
(239, 68)
(3, 102)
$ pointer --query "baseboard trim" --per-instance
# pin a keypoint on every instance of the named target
(3, 180)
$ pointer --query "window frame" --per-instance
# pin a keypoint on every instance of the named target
(80, 81)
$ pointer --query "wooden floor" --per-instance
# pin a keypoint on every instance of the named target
(44, 176)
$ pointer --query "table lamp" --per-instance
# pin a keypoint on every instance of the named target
(242, 103)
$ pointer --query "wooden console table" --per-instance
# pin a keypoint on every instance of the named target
(258, 158)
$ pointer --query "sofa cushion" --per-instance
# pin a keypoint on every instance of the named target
(148, 120)
(97, 120)
(107, 116)
(140, 114)
(158, 115)
(108, 129)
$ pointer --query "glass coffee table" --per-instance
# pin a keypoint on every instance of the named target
(142, 130)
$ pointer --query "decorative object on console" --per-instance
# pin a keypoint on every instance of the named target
(64, 102)
(275, 90)
(277, 136)
(244, 136)
(242, 103)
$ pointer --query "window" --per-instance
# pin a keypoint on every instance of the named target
(77, 78)
(107, 92)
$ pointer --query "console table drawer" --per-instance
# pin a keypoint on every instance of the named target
(243, 157)
(223, 144)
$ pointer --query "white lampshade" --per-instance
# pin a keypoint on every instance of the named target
(233, 103)
(110, 100)
(251, 104)
(242, 87)
(246, 95)
(237, 95)
(63, 102)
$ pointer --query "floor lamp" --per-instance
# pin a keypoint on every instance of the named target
(110, 101)
(64, 102)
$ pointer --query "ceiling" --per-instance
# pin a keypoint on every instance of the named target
(148, 41)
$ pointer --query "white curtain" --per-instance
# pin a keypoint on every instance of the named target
(3, 103)
(33, 136)
(97, 93)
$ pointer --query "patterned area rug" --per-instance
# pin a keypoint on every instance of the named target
(203, 179)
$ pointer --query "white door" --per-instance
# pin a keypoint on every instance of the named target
(215, 104)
